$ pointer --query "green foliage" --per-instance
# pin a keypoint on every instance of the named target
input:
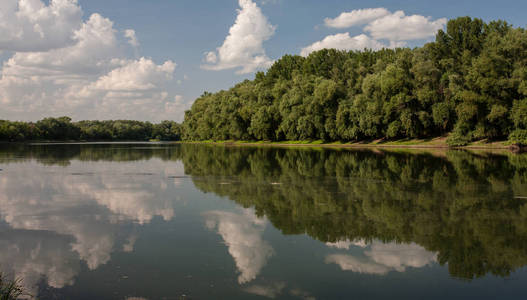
(62, 129)
(469, 81)
(518, 136)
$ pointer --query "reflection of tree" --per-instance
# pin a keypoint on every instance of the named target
(62, 154)
(462, 206)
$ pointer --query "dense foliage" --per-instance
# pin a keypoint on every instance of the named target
(471, 82)
(62, 129)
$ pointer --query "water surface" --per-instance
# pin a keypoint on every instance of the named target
(169, 221)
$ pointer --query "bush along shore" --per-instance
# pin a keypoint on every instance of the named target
(470, 84)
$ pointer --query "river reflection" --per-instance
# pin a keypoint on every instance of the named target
(115, 221)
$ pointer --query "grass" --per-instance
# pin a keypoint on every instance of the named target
(10, 290)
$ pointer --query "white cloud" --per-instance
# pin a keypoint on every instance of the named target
(242, 234)
(132, 38)
(243, 47)
(399, 27)
(382, 258)
(135, 75)
(356, 17)
(30, 25)
(89, 77)
(343, 41)
(381, 25)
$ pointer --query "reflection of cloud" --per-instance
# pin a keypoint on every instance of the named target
(350, 263)
(130, 242)
(400, 256)
(347, 244)
(276, 289)
(84, 213)
(301, 294)
(30, 256)
(382, 258)
(269, 291)
(131, 202)
(242, 234)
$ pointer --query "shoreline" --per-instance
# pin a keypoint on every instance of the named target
(431, 145)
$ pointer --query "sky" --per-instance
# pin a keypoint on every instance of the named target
(149, 60)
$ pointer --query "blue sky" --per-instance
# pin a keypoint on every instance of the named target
(160, 75)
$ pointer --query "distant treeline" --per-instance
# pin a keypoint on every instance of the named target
(63, 129)
(471, 83)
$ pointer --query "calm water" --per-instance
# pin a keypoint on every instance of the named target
(161, 221)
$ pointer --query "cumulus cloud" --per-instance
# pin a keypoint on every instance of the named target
(33, 26)
(356, 17)
(382, 258)
(86, 76)
(243, 47)
(343, 41)
(242, 233)
(132, 38)
(135, 75)
(383, 29)
(400, 27)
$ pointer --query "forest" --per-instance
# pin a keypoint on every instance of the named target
(469, 84)
(63, 129)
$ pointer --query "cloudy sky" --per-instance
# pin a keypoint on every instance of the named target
(149, 60)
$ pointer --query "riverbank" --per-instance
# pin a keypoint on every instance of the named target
(433, 143)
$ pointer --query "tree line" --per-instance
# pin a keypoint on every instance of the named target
(469, 84)
(63, 129)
